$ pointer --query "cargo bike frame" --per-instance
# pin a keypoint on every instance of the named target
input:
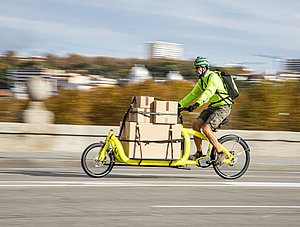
(98, 159)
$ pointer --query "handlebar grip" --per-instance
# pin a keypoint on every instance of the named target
(182, 109)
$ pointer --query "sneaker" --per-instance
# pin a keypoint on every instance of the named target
(220, 157)
(198, 154)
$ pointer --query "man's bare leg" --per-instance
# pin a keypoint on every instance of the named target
(212, 138)
(197, 125)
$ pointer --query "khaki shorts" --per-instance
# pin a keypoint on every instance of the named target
(213, 116)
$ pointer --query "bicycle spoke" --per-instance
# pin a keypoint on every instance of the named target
(239, 164)
(91, 164)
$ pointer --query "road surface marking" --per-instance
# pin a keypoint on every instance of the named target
(5, 184)
(197, 175)
(195, 206)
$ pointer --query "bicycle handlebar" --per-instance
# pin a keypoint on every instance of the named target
(182, 109)
(180, 115)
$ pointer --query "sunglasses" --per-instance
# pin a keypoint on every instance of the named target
(197, 67)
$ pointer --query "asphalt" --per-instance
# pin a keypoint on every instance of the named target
(144, 196)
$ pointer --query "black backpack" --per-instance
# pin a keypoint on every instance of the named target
(230, 87)
(229, 83)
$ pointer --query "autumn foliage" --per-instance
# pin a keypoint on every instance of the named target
(261, 106)
(265, 106)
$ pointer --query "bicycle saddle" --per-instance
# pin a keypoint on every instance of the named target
(223, 122)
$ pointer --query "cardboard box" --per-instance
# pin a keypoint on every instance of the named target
(151, 132)
(143, 102)
(163, 119)
(139, 117)
(164, 107)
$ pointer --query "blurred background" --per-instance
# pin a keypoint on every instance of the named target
(96, 55)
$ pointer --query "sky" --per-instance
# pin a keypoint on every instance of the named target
(252, 33)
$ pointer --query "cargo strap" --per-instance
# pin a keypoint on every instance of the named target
(138, 142)
(137, 136)
(153, 141)
(126, 116)
(170, 138)
(144, 112)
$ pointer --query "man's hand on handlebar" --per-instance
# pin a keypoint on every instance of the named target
(191, 108)
(180, 108)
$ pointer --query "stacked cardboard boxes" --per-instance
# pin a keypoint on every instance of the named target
(141, 109)
(166, 112)
(151, 131)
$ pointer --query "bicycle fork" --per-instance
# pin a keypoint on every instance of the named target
(105, 147)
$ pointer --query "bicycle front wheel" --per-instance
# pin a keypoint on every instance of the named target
(239, 165)
(90, 163)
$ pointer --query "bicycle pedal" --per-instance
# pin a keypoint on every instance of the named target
(204, 162)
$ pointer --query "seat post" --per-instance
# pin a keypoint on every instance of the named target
(225, 121)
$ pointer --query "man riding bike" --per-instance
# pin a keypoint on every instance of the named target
(210, 88)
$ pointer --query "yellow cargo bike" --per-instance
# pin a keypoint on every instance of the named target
(99, 158)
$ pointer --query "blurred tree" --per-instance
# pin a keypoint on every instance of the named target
(267, 106)
(10, 58)
(4, 83)
(261, 106)
(82, 65)
(70, 107)
(29, 64)
(11, 109)
(56, 62)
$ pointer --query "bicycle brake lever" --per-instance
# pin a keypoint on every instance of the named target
(181, 119)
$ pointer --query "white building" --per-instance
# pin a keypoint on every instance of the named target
(100, 81)
(158, 49)
(291, 64)
(288, 76)
(56, 80)
(174, 75)
(18, 79)
(139, 73)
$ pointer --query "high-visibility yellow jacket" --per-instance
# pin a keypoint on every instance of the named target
(206, 88)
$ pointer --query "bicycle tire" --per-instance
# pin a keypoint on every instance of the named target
(91, 164)
(237, 167)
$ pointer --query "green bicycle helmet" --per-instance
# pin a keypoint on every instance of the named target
(201, 61)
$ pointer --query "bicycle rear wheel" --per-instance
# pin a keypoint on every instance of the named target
(90, 163)
(239, 165)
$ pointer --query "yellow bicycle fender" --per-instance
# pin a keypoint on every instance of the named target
(105, 147)
(187, 149)
(227, 160)
(121, 156)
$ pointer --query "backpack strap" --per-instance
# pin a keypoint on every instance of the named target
(223, 99)
(202, 82)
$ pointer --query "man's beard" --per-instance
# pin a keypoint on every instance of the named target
(201, 75)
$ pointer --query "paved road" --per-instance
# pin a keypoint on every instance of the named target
(145, 196)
